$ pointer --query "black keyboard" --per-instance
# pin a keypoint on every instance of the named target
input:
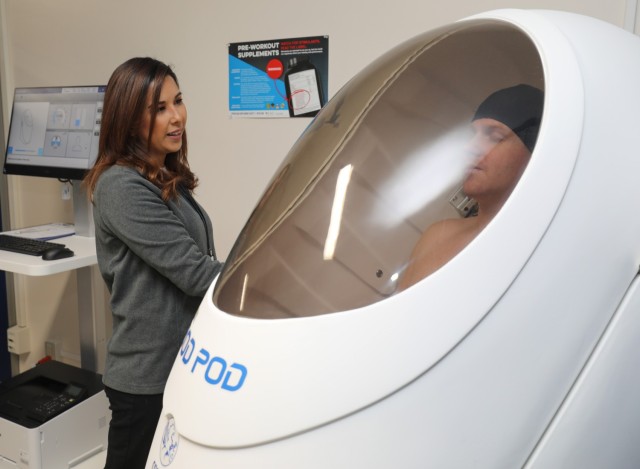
(32, 247)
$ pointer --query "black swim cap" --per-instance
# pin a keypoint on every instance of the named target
(519, 108)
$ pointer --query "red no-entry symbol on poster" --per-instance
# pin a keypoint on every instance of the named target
(275, 69)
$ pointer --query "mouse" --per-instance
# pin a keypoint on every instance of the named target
(56, 253)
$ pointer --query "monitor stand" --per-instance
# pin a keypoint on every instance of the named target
(92, 310)
(82, 211)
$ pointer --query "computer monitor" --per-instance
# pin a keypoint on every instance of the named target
(54, 131)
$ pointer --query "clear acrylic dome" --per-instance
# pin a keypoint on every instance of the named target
(382, 162)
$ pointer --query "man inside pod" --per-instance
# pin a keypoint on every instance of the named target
(505, 128)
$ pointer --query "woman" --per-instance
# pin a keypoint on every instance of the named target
(154, 246)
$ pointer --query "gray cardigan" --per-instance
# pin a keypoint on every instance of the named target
(153, 258)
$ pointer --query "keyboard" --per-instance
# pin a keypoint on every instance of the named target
(32, 247)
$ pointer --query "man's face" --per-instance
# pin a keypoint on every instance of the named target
(500, 159)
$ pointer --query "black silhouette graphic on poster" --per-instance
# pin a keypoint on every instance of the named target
(303, 87)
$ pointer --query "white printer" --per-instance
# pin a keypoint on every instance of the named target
(53, 416)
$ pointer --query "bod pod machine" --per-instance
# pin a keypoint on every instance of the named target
(520, 351)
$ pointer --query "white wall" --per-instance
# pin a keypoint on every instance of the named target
(67, 42)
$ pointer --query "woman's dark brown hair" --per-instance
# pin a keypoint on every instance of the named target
(124, 104)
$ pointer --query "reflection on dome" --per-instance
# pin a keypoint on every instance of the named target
(402, 128)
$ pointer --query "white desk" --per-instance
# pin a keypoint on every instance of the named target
(91, 288)
(84, 249)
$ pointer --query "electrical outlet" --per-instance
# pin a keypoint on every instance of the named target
(66, 191)
(19, 340)
(53, 348)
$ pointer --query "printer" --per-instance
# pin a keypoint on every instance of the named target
(52, 416)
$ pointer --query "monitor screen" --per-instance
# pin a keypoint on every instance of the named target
(54, 131)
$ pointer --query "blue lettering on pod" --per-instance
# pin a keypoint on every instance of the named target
(213, 369)
(240, 380)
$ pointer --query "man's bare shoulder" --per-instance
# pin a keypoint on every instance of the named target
(445, 230)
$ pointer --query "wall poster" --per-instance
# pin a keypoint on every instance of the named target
(279, 77)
